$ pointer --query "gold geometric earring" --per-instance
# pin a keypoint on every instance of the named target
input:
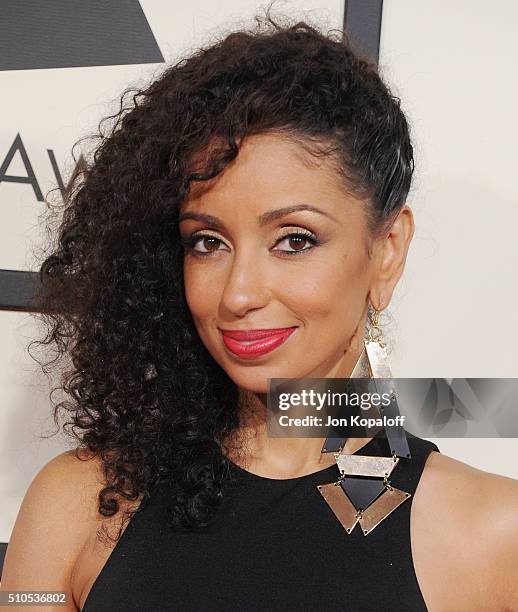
(363, 493)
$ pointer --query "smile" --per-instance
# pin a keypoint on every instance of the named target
(255, 342)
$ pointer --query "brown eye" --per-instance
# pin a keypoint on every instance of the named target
(209, 244)
(296, 242)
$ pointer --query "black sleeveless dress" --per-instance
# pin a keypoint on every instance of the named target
(275, 545)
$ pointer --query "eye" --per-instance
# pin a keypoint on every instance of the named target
(207, 242)
(205, 245)
(296, 240)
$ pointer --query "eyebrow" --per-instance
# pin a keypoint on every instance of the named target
(263, 219)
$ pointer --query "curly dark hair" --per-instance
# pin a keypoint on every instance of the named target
(144, 394)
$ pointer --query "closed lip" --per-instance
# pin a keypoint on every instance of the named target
(254, 334)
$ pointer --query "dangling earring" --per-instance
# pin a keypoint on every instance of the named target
(363, 493)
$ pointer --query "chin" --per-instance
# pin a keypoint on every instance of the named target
(250, 381)
(255, 379)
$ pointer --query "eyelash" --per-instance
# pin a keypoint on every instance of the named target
(191, 241)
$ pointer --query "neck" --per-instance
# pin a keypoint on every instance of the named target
(252, 447)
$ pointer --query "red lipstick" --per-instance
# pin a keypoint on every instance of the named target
(255, 342)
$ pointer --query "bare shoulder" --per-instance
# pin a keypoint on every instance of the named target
(465, 522)
(463, 488)
(55, 519)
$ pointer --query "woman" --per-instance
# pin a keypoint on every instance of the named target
(258, 185)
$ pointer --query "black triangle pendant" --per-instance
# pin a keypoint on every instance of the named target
(362, 491)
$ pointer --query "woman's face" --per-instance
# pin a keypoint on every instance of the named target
(244, 269)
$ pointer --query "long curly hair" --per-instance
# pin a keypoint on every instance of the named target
(142, 392)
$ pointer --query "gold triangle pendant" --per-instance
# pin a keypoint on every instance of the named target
(368, 518)
(378, 511)
(375, 469)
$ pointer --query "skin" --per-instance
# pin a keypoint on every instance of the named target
(464, 522)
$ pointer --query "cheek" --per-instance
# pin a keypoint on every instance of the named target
(335, 292)
(202, 303)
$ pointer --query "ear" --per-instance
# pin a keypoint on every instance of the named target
(392, 253)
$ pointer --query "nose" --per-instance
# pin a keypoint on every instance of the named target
(245, 287)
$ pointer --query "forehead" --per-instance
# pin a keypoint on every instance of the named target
(268, 169)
